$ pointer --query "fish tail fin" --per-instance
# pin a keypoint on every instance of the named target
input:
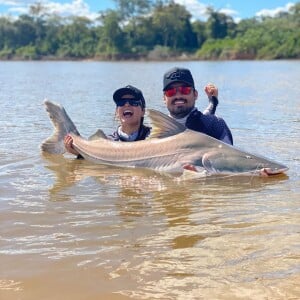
(62, 124)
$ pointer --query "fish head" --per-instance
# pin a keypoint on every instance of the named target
(234, 161)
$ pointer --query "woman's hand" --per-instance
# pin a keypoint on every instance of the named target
(68, 141)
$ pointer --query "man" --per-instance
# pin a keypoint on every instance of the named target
(180, 96)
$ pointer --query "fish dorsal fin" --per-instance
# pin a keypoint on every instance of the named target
(99, 134)
(163, 125)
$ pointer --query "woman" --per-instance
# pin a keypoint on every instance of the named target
(130, 110)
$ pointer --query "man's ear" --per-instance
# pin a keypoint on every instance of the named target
(196, 94)
(164, 98)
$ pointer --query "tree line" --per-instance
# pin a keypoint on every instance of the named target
(149, 29)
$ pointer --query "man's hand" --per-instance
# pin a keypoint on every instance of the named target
(211, 90)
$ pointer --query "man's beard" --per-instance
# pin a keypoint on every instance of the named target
(179, 112)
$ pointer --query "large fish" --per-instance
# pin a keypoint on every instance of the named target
(171, 148)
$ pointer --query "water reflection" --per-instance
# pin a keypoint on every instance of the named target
(134, 183)
(180, 203)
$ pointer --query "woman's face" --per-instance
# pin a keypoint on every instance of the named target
(130, 114)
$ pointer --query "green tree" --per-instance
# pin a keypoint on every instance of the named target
(50, 42)
(7, 33)
(173, 26)
(144, 36)
(110, 35)
(132, 13)
(133, 8)
(76, 39)
(199, 28)
(7, 38)
(219, 25)
(147, 28)
(25, 31)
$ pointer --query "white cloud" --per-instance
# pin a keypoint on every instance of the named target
(73, 8)
(229, 12)
(8, 2)
(16, 2)
(274, 12)
(76, 7)
(199, 10)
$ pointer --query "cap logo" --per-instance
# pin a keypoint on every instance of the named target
(175, 75)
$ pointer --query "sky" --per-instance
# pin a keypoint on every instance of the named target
(238, 9)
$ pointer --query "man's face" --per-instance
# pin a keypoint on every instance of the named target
(181, 100)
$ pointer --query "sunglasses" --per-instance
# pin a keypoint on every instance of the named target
(132, 102)
(184, 90)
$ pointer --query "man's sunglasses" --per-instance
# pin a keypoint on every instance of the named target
(184, 90)
(132, 102)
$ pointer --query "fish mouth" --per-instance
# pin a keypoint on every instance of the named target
(264, 172)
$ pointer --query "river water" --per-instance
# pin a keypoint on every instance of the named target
(72, 230)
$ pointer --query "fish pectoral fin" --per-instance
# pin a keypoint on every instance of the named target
(206, 162)
(99, 134)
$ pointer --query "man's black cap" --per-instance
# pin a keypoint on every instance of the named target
(129, 90)
(178, 75)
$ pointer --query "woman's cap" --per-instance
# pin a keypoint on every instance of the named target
(129, 90)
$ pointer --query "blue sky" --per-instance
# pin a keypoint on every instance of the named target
(238, 9)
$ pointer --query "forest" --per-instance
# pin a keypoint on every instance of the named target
(148, 30)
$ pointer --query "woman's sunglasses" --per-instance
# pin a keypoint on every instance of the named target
(132, 102)
(184, 90)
